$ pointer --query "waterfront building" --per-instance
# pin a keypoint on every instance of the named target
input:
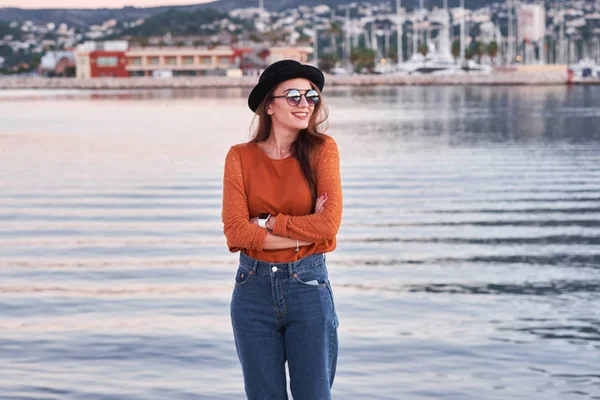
(56, 63)
(117, 59)
(180, 61)
(531, 22)
(101, 59)
(531, 30)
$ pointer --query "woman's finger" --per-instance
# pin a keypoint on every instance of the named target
(320, 203)
(320, 207)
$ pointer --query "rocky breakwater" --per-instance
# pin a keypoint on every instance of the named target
(495, 78)
(542, 77)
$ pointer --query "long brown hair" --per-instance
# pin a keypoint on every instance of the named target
(304, 148)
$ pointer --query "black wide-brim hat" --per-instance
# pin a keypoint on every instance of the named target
(281, 71)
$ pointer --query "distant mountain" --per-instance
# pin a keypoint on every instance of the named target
(178, 23)
(85, 17)
(226, 5)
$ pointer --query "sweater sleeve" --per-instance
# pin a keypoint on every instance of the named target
(239, 231)
(317, 228)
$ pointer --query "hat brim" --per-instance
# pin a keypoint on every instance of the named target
(295, 71)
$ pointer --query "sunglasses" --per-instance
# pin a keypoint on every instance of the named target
(294, 97)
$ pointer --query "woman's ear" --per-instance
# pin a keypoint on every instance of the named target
(270, 109)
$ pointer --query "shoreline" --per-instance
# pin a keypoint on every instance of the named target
(473, 79)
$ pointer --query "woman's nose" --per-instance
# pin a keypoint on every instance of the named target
(303, 101)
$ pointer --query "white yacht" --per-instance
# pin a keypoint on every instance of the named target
(440, 61)
(433, 63)
(585, 69)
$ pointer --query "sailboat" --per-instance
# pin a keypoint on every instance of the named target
(435, 62)
(439, 60)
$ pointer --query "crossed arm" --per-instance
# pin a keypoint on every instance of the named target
(242, 233)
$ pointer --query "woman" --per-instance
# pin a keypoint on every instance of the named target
(282, 208)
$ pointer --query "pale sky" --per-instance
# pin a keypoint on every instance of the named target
(95, 3)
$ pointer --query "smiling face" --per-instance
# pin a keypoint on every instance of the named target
(291, 117)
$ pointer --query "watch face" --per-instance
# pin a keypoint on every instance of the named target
(263, 216)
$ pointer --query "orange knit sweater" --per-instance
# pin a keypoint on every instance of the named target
(254, 183)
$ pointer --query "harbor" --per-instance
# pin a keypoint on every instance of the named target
(546, 75)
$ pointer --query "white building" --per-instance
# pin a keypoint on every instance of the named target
(531, 23)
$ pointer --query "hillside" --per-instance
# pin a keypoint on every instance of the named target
(86, 17)
(177, 22)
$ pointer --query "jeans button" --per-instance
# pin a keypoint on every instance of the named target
(274, 269)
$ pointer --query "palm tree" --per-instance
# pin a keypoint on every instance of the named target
(328, 61)
(492, 51)
(456, 49)
(363, 58)
(468, 54)
(480, 50)
(334, 30)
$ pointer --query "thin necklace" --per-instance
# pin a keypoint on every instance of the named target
(281, 152)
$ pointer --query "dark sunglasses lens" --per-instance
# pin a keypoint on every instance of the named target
(293, 97)
(312, 97)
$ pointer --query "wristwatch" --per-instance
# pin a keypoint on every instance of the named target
(262, 219)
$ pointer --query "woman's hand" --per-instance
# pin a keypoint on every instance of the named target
(319, 207)
(320, 203)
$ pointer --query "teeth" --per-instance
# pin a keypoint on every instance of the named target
(300, 114)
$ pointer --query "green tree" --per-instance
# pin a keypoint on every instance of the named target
(480, 50)
(362, 58)
(70, 72)
(423, 49)
(456, 49)
(468, 54)
(392, 53)
(334, 31)
(255, 37)
(328, 61)
(36, 60)
(492, 51)
(276, 36)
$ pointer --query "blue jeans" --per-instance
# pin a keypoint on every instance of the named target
(284, 312)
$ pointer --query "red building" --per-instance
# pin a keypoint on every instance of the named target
(102, 59)
(108, 63)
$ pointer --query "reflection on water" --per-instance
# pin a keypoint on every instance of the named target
(468, 262)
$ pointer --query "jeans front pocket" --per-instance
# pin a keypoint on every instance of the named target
(242, 276)
(315, 276)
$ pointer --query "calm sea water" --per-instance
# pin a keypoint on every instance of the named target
(468, 264)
